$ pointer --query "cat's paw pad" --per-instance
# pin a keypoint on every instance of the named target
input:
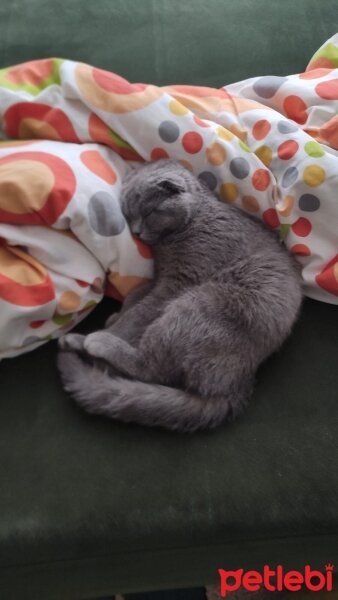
(71, 342)
(96, 344)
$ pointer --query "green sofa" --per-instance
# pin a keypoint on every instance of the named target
(90, 507)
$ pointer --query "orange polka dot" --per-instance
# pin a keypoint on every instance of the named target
(229, 192)
(95, 162)
(261, 129)
(295, 108)
(69, 301)
(250, 204)
(261, 179)
(216, 154)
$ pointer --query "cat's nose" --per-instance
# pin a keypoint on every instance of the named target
(136, 227)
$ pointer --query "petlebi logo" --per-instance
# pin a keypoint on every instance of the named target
(276, 580)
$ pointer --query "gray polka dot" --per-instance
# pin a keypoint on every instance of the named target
(169, 131)
(239, 167)
(266, 87)
(309, 202)
(209, 179)
(105, 214)
(289, 177)
(286, 127)
(32, 339)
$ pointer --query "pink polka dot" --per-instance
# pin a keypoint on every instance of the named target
(200, 122)
(300, 249)
(313, 74)
(302, 227)
(328, 89)
(287, 149)
(270, 218)
(261, 129)
(261, 179)
(192, 142)
(158, 153)
(295, 108)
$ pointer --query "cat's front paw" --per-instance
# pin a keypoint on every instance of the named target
(99, 343)
(72, 342)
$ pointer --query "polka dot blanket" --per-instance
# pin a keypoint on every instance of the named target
(69, 133)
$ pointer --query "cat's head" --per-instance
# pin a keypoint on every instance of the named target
(158, 199)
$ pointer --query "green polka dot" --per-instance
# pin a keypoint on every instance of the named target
(283, 231)
(89, 304)
(244, 146)
(62, 319)
(329, 51)
(314, 149)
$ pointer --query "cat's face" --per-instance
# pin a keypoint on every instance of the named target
(158, 199)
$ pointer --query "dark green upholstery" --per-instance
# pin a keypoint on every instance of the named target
(89, 507)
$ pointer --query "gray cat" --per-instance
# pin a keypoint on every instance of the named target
(183, 351)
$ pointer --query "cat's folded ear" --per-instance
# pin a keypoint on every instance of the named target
(170, 188)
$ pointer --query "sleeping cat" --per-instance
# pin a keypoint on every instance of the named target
(183, 351)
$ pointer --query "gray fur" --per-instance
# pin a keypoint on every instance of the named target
(183, 351)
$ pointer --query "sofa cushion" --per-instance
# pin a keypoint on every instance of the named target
(115, 507)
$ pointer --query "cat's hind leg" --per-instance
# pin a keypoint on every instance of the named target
(118, 353)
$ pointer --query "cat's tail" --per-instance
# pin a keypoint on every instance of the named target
(146, 403)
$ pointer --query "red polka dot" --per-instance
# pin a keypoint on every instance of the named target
(328, 89)
(295, 108)
(200, 122)
(36, 324)
(192, 142)
(328, 277)
(81, 283)
(143, 249)
(261, 129)
(261, 179)
(300, 249)
(270, 218)
(302, 227)
(287, 149)
(158, 153)
(321, 63)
